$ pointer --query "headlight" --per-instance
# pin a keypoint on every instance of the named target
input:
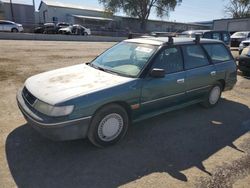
(53, 110)
(241, 45)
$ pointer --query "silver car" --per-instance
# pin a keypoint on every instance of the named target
(10, 26)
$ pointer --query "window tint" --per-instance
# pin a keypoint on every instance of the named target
(217, 52)
(170, 59)
(216, 36)
(194, 56)
(225, 37)
(207, 35)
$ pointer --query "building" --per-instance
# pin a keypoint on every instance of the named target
(52, 11)
(98, 19)
(20, 13)
(232, 25)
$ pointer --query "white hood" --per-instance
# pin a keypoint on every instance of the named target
(62, 84)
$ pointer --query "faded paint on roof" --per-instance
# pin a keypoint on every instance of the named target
(92, 17)
(68, 5)
(160, 40)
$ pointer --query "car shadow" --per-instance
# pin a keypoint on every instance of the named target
(168, 143)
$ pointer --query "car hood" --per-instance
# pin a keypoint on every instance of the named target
(65, 29)
(63, 84)
(238, 37)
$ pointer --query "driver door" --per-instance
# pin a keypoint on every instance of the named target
(160, 93)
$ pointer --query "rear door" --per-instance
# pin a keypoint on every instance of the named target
(200, 74)
(7, 26)
(160, 93)
(220, 57)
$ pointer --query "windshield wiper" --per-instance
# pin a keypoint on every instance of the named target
(103, 69)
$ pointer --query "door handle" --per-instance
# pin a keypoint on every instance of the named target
(180, 81)
(213, 73)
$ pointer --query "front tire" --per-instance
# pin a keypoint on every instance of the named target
(213, 96)
(108, 126)
(14, 30)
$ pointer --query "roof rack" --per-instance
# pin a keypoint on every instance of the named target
(170, 40)
(197, 38)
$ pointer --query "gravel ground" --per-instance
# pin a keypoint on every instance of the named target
(191, 147)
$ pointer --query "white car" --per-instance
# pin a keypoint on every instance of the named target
(243, 45)
(10, 26)
(238, 37)
(75, 30)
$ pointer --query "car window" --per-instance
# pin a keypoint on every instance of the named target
(225, 37)
(207, 35)
(7, 23)
(194, 56)
(170, 60)
(216, 36)
(217, 52)
(125, 58)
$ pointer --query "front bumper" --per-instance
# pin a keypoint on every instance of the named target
(62, 130)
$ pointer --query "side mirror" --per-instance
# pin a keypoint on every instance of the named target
(157, 73)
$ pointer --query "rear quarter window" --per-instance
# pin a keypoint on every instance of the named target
(217, 52)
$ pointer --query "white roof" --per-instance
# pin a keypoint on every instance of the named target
(161, 40)
(68, 5)
(92, 18)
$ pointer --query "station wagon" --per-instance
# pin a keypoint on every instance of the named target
(133, 80)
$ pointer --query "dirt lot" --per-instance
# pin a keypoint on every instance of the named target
(192, 147)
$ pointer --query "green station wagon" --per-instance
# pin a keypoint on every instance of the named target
(133, 80)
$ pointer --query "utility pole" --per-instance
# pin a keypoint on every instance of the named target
(34, 6)
(11, 10)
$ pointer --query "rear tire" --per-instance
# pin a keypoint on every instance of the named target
(213, 96)
(108, 126)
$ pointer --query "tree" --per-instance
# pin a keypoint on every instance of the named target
(238, 8)
(141, 8)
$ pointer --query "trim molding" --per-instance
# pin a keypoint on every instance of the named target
(175, 95)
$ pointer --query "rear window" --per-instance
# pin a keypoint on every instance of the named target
(217, 52)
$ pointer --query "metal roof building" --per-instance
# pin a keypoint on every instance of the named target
(52, 11)
(98, 19)
(233, 24)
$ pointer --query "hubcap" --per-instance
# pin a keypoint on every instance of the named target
(110, 127)
(214, 95)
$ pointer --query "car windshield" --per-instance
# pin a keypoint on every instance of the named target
(125, 58)
(240, 34)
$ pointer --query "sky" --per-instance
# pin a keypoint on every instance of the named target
(188, 11)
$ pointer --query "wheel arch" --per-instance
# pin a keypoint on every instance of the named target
(223, 83)
(123, 104)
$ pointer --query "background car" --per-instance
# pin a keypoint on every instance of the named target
(9, 26)
(75, 30)
(244, 61)
(238, 37)
(61, 25)
(51, 28)
(209, 34)
(243, 45)
(47, 28)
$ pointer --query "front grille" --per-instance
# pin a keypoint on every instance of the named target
(235, 43)
(28, 96)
